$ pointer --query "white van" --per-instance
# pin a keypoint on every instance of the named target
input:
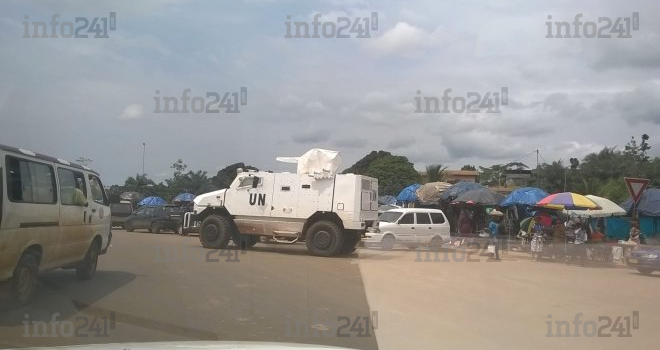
(53, 214)
(411, 227)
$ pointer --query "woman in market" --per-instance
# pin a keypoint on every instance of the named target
(465, 223)
(537, 242)
(598, 248)
(634, 233)
(578, 248)
(559, 233)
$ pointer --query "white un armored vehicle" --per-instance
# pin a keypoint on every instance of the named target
(328, 211)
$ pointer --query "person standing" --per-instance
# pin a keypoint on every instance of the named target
(634, 232)
(537, 242)
(559, 235)
(464, 223)
(494, 228)
(580, 239)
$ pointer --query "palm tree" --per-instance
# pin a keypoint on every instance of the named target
(435, 172)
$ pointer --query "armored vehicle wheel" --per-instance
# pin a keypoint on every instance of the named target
(215, 232)
(324, 238)
(350, 242)
(245, 241)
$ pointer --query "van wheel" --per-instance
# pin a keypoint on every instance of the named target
(25, 279)
(350, 242)
(129, 227)
(436, 242)
(245, 241)
(324, 238)
(88, 268)
(388, 242)
(155, 228)
(215, 232)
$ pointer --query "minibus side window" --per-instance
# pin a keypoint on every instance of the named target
(30, 182)
(70, 183)
(98, 194)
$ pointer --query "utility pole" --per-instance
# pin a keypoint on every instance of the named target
(144, 151)
(538, 173)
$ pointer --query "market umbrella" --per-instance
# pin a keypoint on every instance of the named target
(649, 203)
(482, 196)
(131, 196)
(152, 201)
(527, 223)
(430, 192)
(458, 189)
(524, 196)
(543, 219)
(184, 197)
(608, 208)
(385, 200)
(408, 194)
(567, 200)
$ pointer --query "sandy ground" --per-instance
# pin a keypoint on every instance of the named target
(455, 304)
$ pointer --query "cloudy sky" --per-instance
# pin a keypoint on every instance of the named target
(94, 97)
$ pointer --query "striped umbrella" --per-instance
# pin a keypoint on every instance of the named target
(568, 201)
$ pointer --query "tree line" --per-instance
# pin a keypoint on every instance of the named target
(600, 173)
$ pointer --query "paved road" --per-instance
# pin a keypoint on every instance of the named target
(162, 288)
(167, 287)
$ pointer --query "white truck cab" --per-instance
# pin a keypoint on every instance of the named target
(329, 211)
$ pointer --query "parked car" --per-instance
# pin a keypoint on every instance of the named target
(53, 214)
(155, 219)
(119, 212)
(411, 227)
(647, 258)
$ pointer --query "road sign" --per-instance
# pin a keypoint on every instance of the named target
(636, 187)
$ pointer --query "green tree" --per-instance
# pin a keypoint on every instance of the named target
(394, 173)
(363, 164)
(615, 190)
(469, 167)
(226, 176)
(435, 172)
(552, 176)
(141, 184)
(493, 175)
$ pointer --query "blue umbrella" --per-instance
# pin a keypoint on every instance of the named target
(152, 201)
(408, 194)
(524, 196)
(184, 197)
(459, 188)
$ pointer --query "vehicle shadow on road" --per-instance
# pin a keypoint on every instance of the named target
(59, 292)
